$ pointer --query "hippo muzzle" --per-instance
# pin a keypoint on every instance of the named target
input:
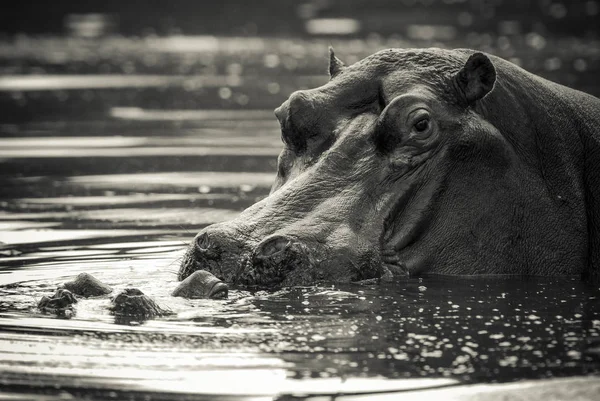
(277, 260)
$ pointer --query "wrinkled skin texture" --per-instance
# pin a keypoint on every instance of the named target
(60, 300)
(421, 161)
(133, 305)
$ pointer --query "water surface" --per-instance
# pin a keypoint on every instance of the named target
(119, 189)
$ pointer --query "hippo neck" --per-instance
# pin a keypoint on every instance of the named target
(554, 130)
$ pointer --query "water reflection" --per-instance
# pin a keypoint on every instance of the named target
(112, 160)
(473, 329)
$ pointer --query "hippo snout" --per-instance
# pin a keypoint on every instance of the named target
(244, 261)
(274, 259)
(217, 251)
(283, 258)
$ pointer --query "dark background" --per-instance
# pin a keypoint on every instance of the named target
(234, 54)
(285, 17)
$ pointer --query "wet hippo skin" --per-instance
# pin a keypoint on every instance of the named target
(132, 303)
(201, 284)
(417, 161)
(87, 285)
(60, 303)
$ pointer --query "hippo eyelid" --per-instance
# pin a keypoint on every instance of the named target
(416, 115)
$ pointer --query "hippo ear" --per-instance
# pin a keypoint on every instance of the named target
(476, 79)
(335, 64)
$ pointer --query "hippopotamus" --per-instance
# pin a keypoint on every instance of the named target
(421, 161)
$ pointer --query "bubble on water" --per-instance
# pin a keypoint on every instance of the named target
(469, 351)
(247, 187)
(552, 64)
(271, 60)
(290, 63)
(128, 67)
(535, 40)
(533, 317)
(224, 93)
(580, 65)
(496, 336)
(273, 88)
(558, 10)
(592, 8)
(504, 43)
(432, 354)
(508, 361)
(204, 189)
(464, 19)
(242, 99)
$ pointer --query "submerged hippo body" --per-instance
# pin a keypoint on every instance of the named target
(415, 161)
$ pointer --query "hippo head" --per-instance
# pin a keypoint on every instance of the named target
(388, 170)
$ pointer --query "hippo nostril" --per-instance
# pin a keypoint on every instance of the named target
(273, 246)
(206, 248)
(203, 242)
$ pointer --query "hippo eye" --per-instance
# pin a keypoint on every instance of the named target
(422, 125)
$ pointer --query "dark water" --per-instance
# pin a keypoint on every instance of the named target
(117, 186)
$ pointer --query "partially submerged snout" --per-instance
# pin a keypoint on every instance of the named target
(247, 262)
(279, 259)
